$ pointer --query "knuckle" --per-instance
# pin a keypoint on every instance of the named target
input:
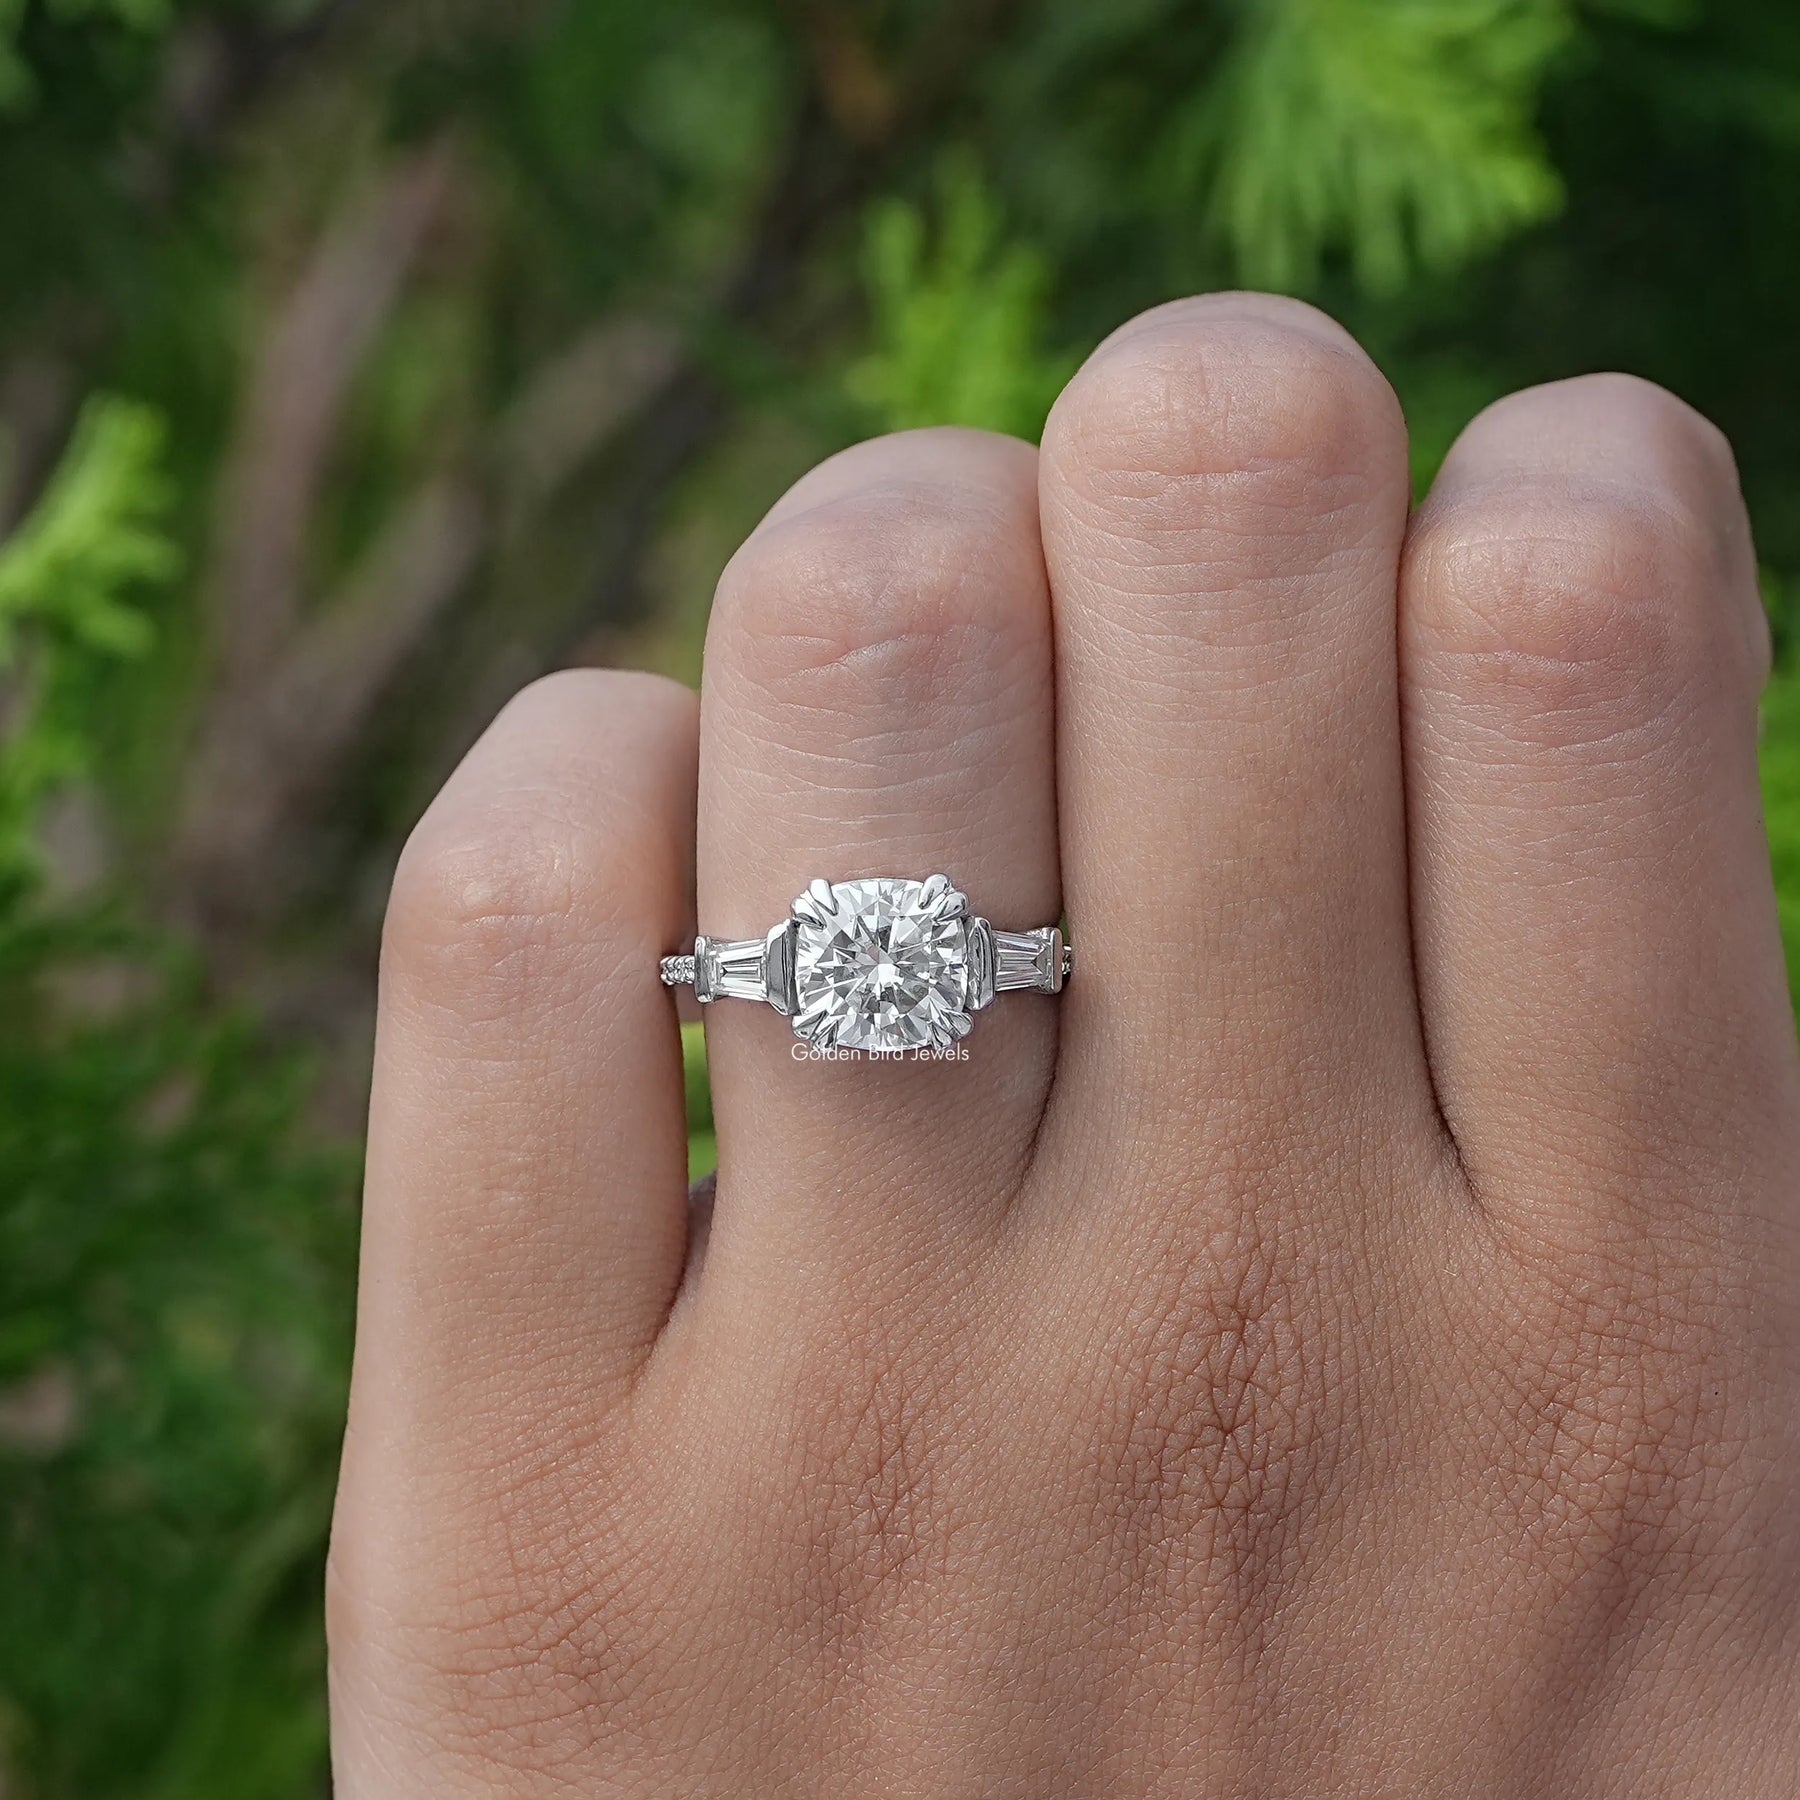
(878, 1495)
(516, 1614)
(1261, 406)
(1632, 1450)
(1215, 1449)
(889, 589)
(497, 879)
(556, 839)
(500, 890)
(1575, 611)
(879, 1518)
(881, 1498)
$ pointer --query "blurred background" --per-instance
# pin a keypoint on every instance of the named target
(360, 362)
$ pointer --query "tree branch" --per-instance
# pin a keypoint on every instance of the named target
(318, 341)
(272, 751)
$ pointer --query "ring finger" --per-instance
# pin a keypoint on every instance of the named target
(877, 702)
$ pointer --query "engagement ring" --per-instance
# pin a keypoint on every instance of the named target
(882, 965)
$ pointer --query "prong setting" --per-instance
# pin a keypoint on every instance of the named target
(816, 905)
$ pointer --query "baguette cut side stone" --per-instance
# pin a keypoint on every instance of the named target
(883, 968)
(1031, 959)
(730, 969)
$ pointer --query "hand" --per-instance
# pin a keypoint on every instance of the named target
(1347, 1344)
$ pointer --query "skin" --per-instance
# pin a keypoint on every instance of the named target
(1346, 1346)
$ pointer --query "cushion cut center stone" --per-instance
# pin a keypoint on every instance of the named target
(882, 969)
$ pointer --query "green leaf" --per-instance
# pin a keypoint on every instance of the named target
(1398, 131)
(72, 579)
(173, 1272)
(96, 537)
(958, 312)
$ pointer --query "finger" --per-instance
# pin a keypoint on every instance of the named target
(1225, 495)
(526, 1195)
(1600, 965)
(877, 702)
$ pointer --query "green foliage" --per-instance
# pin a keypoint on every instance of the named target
(1400, 131)
(1781, 803)
(18, 86)
(173, 1274)
(172, 1303)
(67, 581)
(959, 316)
(917, 207)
